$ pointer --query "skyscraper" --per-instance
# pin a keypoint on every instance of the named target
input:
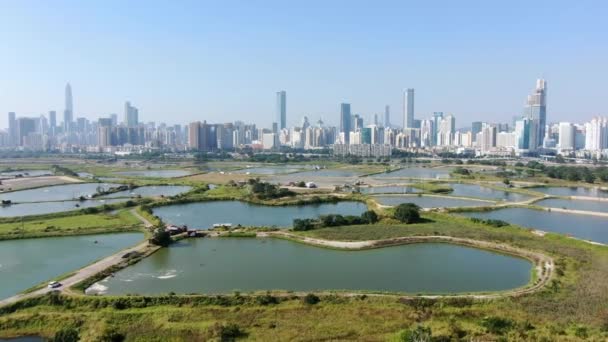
(12, 128)
(408, 108)
(68, 113)
(131, 115)
(25, 127)
(387, 116)
(282, 109)
(536, 109)
(437, 117)
(345, 121)
(52, 122)
(476, 128)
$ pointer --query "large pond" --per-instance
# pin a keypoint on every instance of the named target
(582, 226)
(571, 191)
(28, 262)
(152, 191)
(472, 190)
(155, 173)
(389, 190)
(328, 173)
(417, 172)
(204, 215)
(26, 209)
(431, 201)
(275, 170)
(221, 265)
(575, 205)
(56, 192)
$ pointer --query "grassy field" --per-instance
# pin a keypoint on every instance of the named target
(70, 225)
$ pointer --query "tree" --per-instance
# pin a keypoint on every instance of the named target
(303, 224)
(407, 213)
(370, 217)
(161, 237)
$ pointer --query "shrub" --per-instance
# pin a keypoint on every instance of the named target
(303, 224)
(419, 334)
(228, 332)
(407, 213)
(66, 335)
(111, 335)
(496, 325)
(369, 216)
(311, 299)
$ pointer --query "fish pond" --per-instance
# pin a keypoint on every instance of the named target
(223, 265)
(155, 173)
(581, 226)
(431, 201)
(203, 215)
(27, 262)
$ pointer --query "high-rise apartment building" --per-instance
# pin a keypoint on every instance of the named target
(566, 136)
(282, 109)
(596, 138)
(408, 108)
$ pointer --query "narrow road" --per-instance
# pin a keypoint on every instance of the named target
(85, 272)
(145, 221)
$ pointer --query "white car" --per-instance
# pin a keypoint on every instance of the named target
(54, 285)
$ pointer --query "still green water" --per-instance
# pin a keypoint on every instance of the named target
(28, 262)
(203, 215)
(221, 265)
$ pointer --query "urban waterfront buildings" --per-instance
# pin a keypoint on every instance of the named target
(530, 133)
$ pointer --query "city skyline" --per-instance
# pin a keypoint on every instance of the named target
(199, 65)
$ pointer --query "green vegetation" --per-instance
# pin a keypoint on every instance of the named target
(122, 221)
(335, 220)
(263, 190)
(433, 187)
(407, 213)
(161, 237)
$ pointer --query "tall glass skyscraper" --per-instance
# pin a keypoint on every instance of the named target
(68, 113)
(536, 109)
(387, 116)
(408, 108)
(437, 117)
(345, 121)
(282, 109)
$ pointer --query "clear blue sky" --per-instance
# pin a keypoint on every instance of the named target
(221, 61)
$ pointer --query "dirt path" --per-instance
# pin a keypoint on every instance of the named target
(145, 221)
